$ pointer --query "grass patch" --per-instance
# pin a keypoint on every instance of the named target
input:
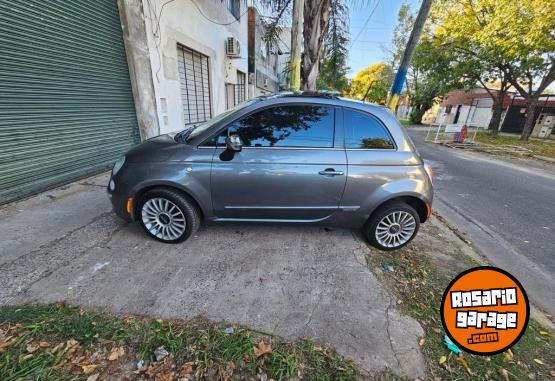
(542, 148)
(418, 284)
(60, 342)
(405, 122)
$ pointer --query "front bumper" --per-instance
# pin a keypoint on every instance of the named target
(119, 204)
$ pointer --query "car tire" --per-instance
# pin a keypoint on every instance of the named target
(392, 226)
(168, 215)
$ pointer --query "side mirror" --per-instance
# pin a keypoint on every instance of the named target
(234, 143)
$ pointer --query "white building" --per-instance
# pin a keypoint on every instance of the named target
(198, 57)
(263, 58)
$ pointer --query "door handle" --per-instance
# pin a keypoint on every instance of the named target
(331, 172)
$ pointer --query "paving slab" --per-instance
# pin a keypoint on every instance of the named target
(294, 281)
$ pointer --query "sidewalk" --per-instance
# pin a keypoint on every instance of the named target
(294, 281)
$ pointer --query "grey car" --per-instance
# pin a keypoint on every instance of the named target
(288, 158)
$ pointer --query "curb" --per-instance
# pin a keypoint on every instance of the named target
(544, 158)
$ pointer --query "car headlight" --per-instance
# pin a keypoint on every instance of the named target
(118, 164)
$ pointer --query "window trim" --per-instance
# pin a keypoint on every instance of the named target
(335, 108)
(395, 147)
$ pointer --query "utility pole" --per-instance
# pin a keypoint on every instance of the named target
(415, 35)
(296, 45)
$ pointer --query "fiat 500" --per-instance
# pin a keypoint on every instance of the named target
(288, 158)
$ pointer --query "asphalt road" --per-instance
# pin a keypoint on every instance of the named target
(505, 206)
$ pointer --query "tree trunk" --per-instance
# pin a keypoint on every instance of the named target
(495, 120)
(316, 18)
(531, 103)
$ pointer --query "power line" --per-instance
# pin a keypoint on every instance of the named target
(366, 22)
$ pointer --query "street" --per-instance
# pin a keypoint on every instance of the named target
(506, 208)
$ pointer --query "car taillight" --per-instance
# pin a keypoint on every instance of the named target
(429, 171)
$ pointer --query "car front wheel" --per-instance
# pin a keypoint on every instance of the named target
(392, 226)
(168, 216)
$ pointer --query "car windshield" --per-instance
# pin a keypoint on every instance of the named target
(199, 129)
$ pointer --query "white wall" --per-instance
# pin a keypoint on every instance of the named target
(181, 22)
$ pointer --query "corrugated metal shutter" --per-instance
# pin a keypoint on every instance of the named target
(66, 106)
(195, 85)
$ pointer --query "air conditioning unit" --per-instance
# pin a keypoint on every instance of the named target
(232, 47)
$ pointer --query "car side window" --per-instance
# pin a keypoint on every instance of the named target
(364, 131)
(285, 126)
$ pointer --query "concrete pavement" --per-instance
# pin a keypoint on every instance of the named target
(507, 208)
(295, 281)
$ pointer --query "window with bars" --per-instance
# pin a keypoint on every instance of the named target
(236, 93)
(194, 79)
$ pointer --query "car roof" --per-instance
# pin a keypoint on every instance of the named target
(321, 96)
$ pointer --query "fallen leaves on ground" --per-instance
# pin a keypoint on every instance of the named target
(116, 354)
(505, 373)
(89, 368)
(32, 347)
(5, 340)
(262, 348)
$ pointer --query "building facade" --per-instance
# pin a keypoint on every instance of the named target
(474, 109)
(263, 58)
(85, 81)
(198, 55)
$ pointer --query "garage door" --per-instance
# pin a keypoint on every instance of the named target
(195, 85)
(66, 106)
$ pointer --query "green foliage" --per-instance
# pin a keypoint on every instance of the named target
(333, 62)
(212, 352)
(432, 71)
(372, 82)
(502, 40)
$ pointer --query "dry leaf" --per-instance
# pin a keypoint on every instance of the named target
(508, 355)
(436, 330)
(88, 369)
(422, 341)
(57, 348)
(44, 344)
(32, 348)
(442, 359)
(544, 333)
(504, 373)
(187, 368)
(539, 361)
(119, 352)
(262, 349)
(552, 373)
(93, 377)
(5, 341)
(71, 343)
(27, 356)
(462, 360)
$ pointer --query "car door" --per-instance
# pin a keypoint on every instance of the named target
(289, 167)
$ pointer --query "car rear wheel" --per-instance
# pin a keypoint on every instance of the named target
(168, 216)
(392, 226)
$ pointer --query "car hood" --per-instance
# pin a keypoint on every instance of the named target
(157, 149)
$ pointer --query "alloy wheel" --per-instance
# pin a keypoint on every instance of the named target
(395, 229)
(163, 219)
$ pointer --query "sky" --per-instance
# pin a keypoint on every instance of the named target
(371, 29)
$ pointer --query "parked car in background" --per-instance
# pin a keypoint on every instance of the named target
(288, 158)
